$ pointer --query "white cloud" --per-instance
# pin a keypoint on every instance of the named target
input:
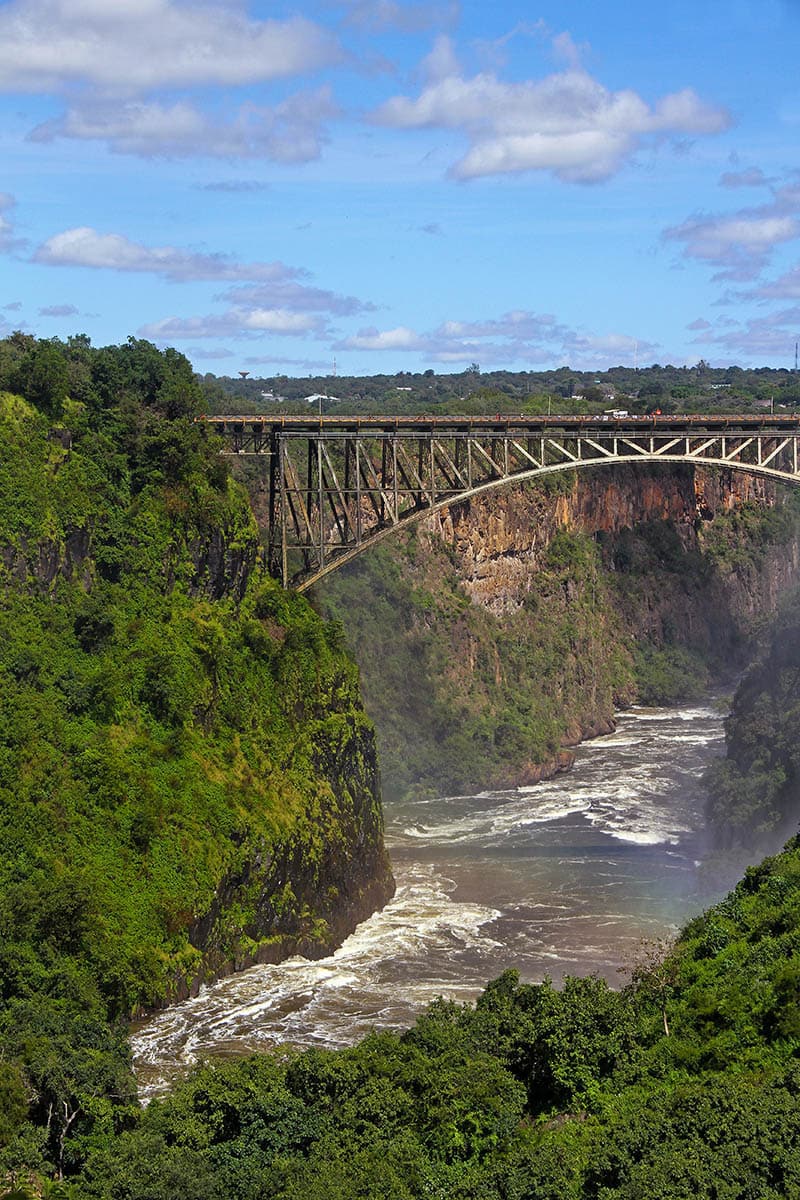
(379, 15)
(271, 298)
(518, 325)
(289, 132)
(304, 364)
(236, 323)
(738, 244)
(59, 310)
(7, 239)
(564, 48)
(139, 45)
(771, 336)
(607, 347)
(400, 338)
(441, 63)
(280, 320)
(204, 352)
(753, 177)
(567, 123)
(233, 186)
(518, 335)
(298, 297)
(86, 247)
(785, 287)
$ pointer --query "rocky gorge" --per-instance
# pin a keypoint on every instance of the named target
(503, 630)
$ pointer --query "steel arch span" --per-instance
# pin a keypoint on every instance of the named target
(338, 485)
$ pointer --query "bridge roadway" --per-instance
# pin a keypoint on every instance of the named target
(339, 484)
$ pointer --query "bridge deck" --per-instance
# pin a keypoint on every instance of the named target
(302, 426)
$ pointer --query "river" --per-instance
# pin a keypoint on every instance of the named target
(564, 877)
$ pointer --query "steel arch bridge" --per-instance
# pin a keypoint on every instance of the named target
(339, 484)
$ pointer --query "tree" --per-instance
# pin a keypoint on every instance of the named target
(42, 378)
(655, 974)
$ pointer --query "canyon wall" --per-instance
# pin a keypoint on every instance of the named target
(502, 630)
(754, 791)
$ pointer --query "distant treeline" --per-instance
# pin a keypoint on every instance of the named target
(697, 388)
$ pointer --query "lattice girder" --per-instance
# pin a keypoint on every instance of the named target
(338, 485)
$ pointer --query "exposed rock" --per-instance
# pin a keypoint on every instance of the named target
(500, 537)
(222, 565)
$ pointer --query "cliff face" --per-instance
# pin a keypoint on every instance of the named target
(190, 738)
(500, 540)
(506, 628)
(305, 892)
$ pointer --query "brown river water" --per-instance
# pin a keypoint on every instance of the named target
(564, 877)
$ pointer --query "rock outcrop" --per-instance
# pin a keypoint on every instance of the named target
(500, 539)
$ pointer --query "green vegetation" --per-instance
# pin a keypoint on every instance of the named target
(461, 696)
(684, 1084)
(187, 778)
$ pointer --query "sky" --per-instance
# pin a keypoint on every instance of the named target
(374, 186)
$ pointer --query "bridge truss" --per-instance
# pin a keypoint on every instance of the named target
(337, 485)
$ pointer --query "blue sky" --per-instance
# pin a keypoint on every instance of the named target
(400, 186)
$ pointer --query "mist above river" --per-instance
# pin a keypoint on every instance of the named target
(564, 877)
